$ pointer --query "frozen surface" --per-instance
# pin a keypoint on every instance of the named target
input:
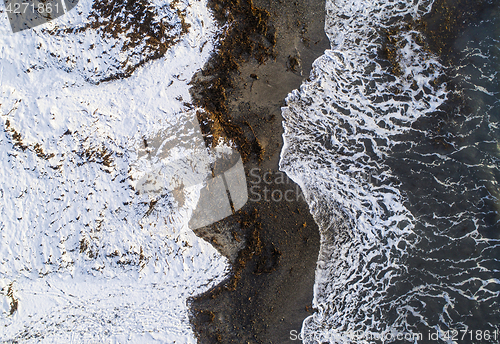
(83, 256)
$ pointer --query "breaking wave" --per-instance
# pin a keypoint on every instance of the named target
(404, 189)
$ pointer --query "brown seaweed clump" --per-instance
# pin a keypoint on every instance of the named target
(136, 29)
(247, 35)
(447, 20)
(440, 28)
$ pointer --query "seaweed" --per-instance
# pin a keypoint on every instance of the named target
(18, 143)
(447, 20)
(138, 27)
(246, 35)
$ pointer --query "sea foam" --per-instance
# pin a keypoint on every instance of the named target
(339, 130)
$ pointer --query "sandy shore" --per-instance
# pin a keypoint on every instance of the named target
(273, 241)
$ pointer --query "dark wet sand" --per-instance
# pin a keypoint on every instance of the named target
(273, 244)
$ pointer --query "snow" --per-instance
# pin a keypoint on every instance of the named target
(86, 258)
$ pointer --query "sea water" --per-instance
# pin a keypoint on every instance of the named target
(401, 177)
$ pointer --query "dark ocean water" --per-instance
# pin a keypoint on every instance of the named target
(398, 155)
(450, 174)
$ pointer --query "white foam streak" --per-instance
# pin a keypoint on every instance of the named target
(338, 129)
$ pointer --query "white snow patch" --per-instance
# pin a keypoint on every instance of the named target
(88, 259)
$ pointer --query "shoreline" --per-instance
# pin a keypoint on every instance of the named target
(272, 242)
(217, 318)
